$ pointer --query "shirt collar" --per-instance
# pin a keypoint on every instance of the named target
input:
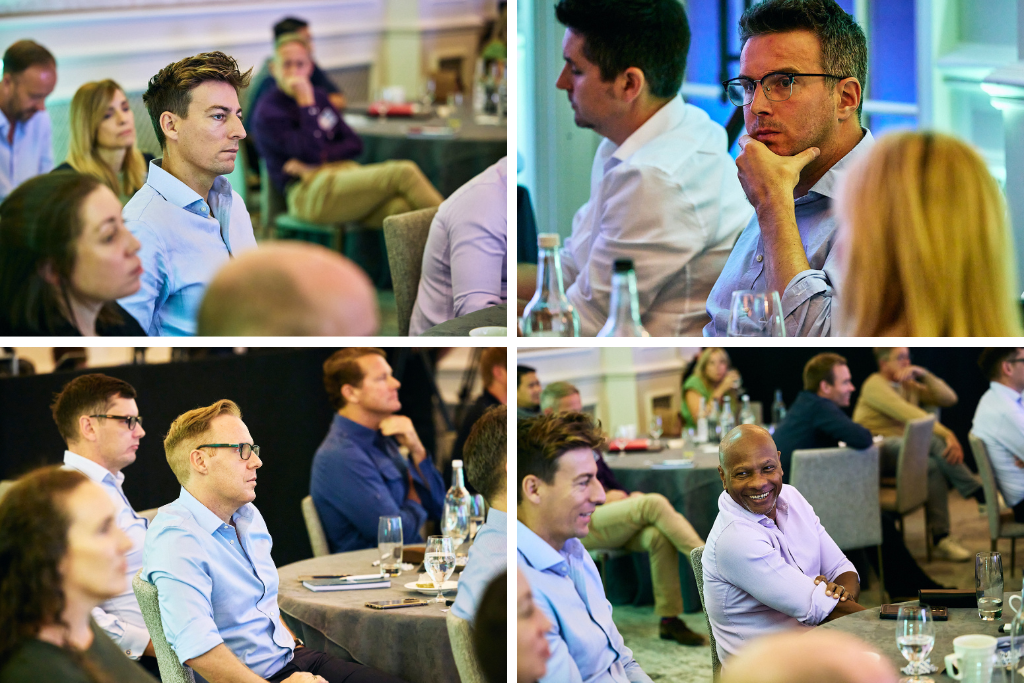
(4, 123)
(1005, 391)
(538, 553)
(729, 506)
(93, 470)
(355, 431)
(666, 118)
(180, 194)
(204, 516)
(827, 185)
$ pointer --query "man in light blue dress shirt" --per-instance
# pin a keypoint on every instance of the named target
(558, 492)
(999, 422)
(30, 75)
(187, 217)
(99, 421)
(208, 553)
(802, 112)
(485, 455)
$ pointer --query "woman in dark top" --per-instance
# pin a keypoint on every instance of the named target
(65, 259)
(61, 555)
(103, 139)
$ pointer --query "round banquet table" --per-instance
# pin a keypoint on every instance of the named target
(448, 161)
(411, 642)
(460, 327)
(881, 634)
(692, 491)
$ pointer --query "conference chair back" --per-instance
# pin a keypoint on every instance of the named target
(912, 466)
(1001, 524)
(841, 484)
(171, 670)
(317, 537)
(405, 238)
(698, 575)
(460, 633)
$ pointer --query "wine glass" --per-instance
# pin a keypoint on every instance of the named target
(915, 636)
(439, 561)
(476, 514)
(654, 428)
(621, 439)
(755, 314)
(455, 521)
(389, 545)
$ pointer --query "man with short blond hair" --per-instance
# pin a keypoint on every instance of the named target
(187, 217)
(99, 421)
(208, 553)
(310, 151)
(372, 462)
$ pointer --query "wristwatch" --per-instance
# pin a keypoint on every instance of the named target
(298, 642)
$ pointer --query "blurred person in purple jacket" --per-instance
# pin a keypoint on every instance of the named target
(309, 152)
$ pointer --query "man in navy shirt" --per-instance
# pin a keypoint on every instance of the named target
(816, 419)
(372, 463)
(310, 152)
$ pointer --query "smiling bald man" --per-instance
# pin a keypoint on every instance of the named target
(769, 565)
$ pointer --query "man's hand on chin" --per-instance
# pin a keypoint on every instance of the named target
(767, 178)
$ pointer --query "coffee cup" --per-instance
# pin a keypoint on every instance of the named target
(972, 658)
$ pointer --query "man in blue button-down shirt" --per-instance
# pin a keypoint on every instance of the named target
(30, 75)
(558, 492)
(999, 422)
(208, 553)
(187, 217)
(371, 463)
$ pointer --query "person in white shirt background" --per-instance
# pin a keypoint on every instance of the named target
(99, 421)
(663, 190)
(999, 422)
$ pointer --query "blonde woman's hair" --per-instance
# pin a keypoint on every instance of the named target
(88, 107)
(702, 361)
(188, 431)
(928, 248)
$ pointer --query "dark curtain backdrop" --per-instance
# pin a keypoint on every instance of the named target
(765, 370)
(283, 404)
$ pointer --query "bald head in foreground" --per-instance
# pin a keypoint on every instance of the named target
(289, 289)
(768, 563)
(819, 655)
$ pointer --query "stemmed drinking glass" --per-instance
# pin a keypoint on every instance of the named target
(654, 428)
(756, 314)
(476, 514)
(439, 561)
(915, 636)
(621, 439)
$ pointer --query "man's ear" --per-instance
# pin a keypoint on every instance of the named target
(198, 461)
(531, 488)
(87, 429)
(631, 84)
(721, 475)
(349, 393)
(169, 125)
(850, 94)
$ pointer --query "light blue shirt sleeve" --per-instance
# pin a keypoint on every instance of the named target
(154, 283)
(185, 588)
(46, 147)
(486, 560)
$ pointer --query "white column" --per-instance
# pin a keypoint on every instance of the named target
(400, 48)
(618, 404)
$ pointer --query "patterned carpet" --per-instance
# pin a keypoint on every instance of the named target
(668, 662)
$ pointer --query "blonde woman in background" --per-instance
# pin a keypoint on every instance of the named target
(712, 378)
(925, 243)
(103, 139)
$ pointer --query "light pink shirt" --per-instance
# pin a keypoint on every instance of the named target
(759, 574)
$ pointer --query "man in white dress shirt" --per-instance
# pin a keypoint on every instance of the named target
(768, 564)
(663, 188)
(99, 421)
(999, 422)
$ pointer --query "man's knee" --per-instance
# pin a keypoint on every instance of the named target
(654, 505)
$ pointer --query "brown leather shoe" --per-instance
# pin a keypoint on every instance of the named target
(677, 630)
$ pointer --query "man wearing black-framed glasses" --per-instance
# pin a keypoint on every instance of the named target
(999, 422)
(99, 421)
(802, 70)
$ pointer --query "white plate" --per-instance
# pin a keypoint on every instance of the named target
(492, 331)
(445, 587)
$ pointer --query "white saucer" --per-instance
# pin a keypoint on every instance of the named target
(445, 587)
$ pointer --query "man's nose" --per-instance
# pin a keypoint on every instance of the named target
(563, 81)
(760, 103)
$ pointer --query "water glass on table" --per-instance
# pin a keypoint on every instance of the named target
(389, 545)
(756, 314)
(439, 561)
(988, 584)
(477, 514)
(915, 637)
(654, 428)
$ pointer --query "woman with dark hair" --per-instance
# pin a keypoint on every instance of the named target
(61, 555)
(65, 259)
(489, 628)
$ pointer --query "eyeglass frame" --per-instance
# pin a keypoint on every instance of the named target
(128, 419)
(759, 81)
(253, 448)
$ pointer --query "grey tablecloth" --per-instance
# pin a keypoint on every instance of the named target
(411, 643)
(449, 162)
(460, 327)
(692, 491)
(881, 633)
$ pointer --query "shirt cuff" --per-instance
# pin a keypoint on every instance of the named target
(134, 641)
(821, 605)
(806, 304)
(198, 637)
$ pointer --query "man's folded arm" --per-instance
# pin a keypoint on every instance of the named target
(753, 565)
(129, 637)
(220, 665)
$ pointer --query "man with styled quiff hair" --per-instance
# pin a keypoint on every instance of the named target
(187, 216)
